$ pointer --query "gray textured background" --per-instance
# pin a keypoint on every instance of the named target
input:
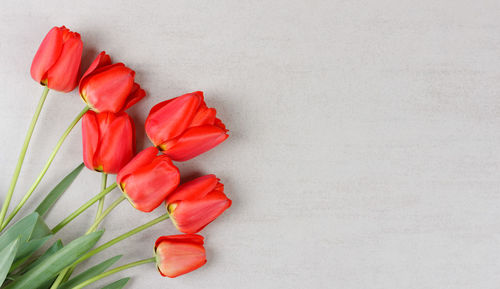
(364, 134)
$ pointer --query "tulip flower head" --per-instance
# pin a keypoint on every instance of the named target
(148, 179)
(179, 254)
(197, 203)
(57, 62)
(109, 87)
(184, 127)
(108, 141)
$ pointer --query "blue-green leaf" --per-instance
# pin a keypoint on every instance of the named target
(22, 229)
(117, 284)
(55, 263)
(91, 272)
(40, 230)
(32, 233)
(7, 256)
(49, 252)
(57, 191)
(26, 249)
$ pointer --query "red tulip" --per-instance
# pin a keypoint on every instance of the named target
(184, 127)
(57, 61)
(108, 141)
(179, 254)
(195, 204)
(109, 87)
(148, 179)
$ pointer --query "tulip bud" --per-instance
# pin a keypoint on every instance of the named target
(109, 87)
(57, 61)
(184, 127)
(195, 204)
(148, 179)
(179, 254)
(108, 141)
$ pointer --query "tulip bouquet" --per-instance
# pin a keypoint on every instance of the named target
(179, 129)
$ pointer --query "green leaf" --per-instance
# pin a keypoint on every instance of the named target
(47, 284)
(7, 256)
(55, 263)
(117, 284)
(49, 252)
(57, 191)
(54, 248)
(91, 272)
(40, 230)
(27, 249)
(32, 233)
(22, 229)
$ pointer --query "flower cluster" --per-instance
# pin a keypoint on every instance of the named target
(179, 129)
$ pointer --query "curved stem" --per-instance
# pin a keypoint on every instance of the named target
(101, 217)
(120, 238)
(113, 271)
(67, 273)
(22, 154)
(80, 210)
(46, 167)
(100, 207)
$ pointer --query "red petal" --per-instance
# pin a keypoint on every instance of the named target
(178, 256)
(193, 238)
(135, 96)
(63, 75)
(47, 54)
(191, 216)
(193, 142)
(148, 186)
(197, 188)
(90, 137)
(218, 123)
(107, 89)
(204, 116)
(100, 61)
(117, 140)
(170, 118)
(143, 158)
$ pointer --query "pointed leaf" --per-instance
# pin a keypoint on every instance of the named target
(40, 230)
(32, 233)
(22, 229)
(92, 272)
(55, 263)
(26, 249)
(54, 248)
(7, 256)
(50, 251)
(117, 284)
(57, 191)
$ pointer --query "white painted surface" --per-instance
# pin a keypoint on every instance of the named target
(364, 148)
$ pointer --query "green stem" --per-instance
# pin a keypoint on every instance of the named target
(120, 238)
(22, 154)
(46, 167)
(60, 278)
(80, 210)
(105, 213)
(113, 271)
(100, 207)
(65, 274)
